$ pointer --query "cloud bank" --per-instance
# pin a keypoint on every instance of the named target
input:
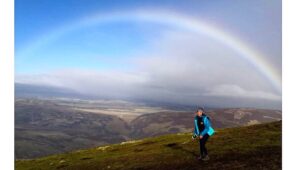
(177, 67)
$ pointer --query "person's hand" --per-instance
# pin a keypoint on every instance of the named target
(200, 137)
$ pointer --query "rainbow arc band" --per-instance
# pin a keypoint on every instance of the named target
(171, 18)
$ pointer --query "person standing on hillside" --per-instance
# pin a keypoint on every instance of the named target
(202, 131)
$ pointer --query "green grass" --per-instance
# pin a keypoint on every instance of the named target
(251, 147)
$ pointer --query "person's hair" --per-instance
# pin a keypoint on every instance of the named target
(200, 109)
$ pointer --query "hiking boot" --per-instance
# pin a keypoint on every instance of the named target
(205, 158)
(200, 157)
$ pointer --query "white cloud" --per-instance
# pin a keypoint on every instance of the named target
(179, 67)
(232, 90)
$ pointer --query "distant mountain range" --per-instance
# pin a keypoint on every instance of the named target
(50, 126)
(42, 91)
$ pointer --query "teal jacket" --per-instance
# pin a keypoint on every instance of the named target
(207, 127)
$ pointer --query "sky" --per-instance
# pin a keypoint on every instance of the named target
(224, 53)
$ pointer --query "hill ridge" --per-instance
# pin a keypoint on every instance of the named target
(249, 147)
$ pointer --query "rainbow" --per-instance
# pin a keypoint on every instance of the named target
(171, 18)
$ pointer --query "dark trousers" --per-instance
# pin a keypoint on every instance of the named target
(203, 150)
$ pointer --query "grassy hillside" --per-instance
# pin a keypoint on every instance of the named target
(251, 147)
